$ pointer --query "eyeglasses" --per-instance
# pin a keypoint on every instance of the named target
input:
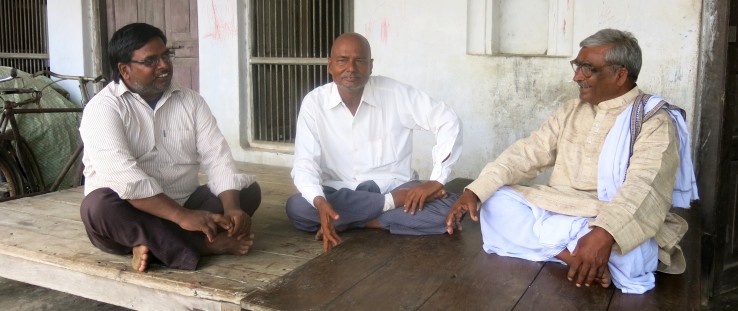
(153, 61)
(587, 69)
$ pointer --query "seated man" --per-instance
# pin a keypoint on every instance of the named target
(145, 140)
(353, 152)
(615, 154)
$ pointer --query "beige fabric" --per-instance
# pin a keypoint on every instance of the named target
(571, 141)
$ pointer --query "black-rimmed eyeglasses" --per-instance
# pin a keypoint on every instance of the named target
(588, 69)
(153, 61)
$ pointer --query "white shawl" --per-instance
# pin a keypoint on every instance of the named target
(616, 151)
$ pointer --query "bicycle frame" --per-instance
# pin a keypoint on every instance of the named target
(21, 153)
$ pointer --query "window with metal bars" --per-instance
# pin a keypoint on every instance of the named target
(291, 41)
(23, 35)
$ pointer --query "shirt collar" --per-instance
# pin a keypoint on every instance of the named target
(620, 101)
(367, 97)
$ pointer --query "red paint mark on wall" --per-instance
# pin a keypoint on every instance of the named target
(384, 31)
(221, 29)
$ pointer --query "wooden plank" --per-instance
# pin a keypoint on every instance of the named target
(325, 277)
(552, 291)
(670, 293)
(421, 266)
(375, 268)
(109, 290)
(487, 282)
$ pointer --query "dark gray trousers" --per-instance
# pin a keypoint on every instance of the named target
(115, 226)
(365, 203)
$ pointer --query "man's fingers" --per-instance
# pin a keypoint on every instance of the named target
(473, 213)
(330, 240)
(572, 271)
(236, 227)
(450, 220)
(221, 221)
(209, 231)
(591, 276)
(582, 274)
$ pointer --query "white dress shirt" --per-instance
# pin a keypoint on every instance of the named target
(339, 150)
(139, 152)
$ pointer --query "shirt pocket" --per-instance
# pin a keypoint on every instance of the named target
(180, 145)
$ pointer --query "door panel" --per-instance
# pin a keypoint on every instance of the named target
(727, 208)
(178, 20)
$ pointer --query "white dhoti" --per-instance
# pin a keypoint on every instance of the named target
(512, 226)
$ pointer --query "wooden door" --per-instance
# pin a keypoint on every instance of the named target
(726, 274)
(178, 20)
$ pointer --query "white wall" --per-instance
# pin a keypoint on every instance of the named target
(70, 49)
(224, 52)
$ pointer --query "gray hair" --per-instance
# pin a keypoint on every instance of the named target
(624, 49)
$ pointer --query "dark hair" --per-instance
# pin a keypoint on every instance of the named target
(128, 39)
(624, 49)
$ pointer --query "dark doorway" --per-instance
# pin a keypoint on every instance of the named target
(717, 150)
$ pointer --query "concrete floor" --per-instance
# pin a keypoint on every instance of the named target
(17, 296)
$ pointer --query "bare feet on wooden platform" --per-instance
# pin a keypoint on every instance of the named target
(140, 259)
(223, 244)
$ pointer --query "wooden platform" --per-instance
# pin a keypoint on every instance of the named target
(42, 242)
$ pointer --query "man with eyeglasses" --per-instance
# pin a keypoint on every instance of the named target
(620, 159)
(145, 140)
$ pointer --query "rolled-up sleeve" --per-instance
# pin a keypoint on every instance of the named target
(216, 157)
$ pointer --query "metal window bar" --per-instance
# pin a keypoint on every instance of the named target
(23, 35)
(291, 43)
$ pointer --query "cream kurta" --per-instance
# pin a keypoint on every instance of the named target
(571, 140)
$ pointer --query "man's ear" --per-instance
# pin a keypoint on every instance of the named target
(125, 71)
(621, 76)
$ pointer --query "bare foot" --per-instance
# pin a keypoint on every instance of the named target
(223, 244)
(140, 259)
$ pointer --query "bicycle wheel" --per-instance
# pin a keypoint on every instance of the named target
(9, 178)
(31, 174)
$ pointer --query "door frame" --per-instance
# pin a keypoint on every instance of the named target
(709, 158)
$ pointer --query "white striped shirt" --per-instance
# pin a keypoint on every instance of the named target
(139, 152)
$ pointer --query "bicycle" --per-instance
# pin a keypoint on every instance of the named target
(21, 175)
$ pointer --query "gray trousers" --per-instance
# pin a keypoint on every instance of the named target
(365, 203)
(115, 226)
